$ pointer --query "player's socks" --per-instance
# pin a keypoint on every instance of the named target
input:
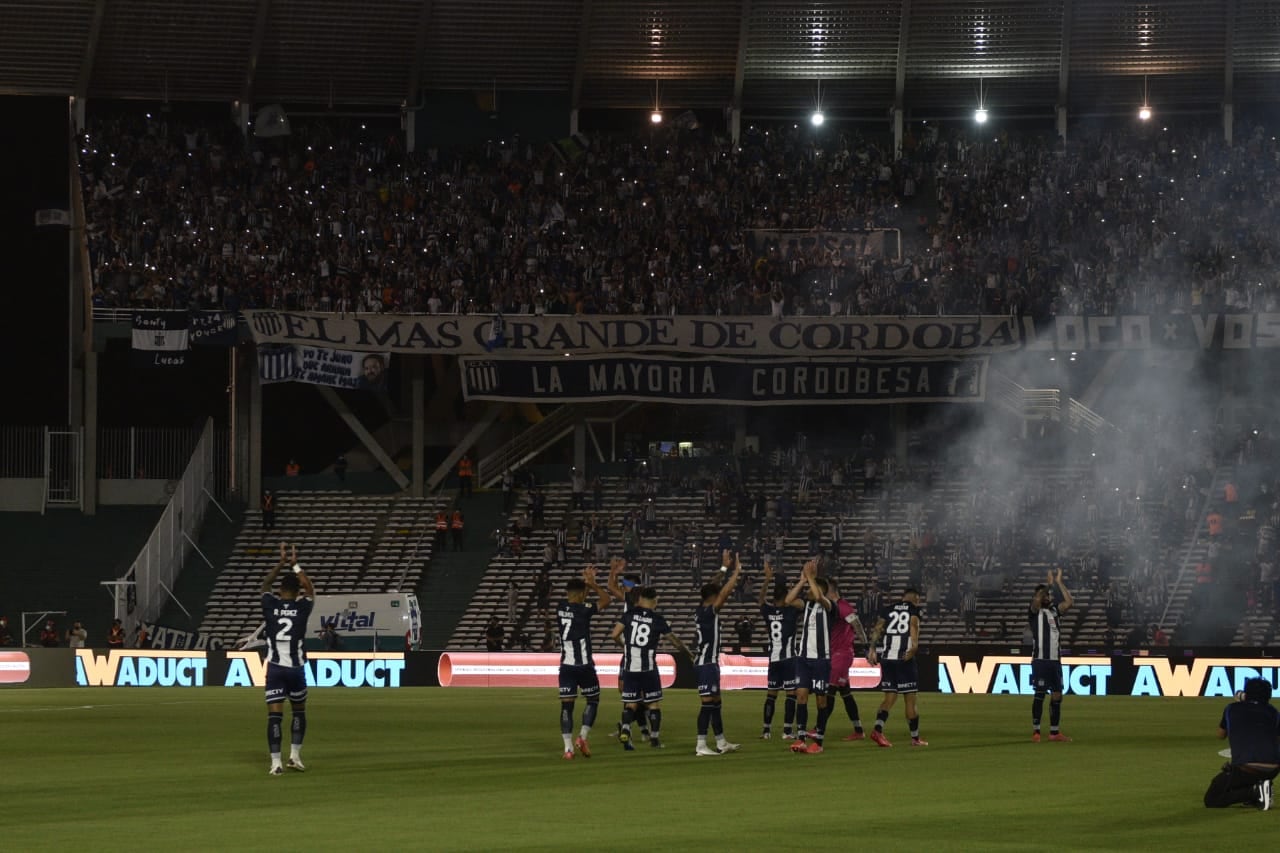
(704, 721)
(881, 718)
(851, 708)
(568, 741)
(275, 735)
(298, 730)
(642, 715)
(1037, 710)
(1055, 715)
(717, 720)
(589, 717)
(566, 718)
(824, 714)
(802, 719)
(624, 733)
(655, 725)
(770, 704)
(788, 714)
(914, 723)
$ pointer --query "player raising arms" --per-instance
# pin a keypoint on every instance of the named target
(626, 588)
(577, 666)
(638, 633)
(707, 662)
(844, 625)
(286, 617)
(899, 625)
(780, 619)
(813, 656)
(1046, 654)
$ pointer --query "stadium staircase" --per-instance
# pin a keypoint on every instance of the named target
(1194, 551)
(347, 543)
(446, 590)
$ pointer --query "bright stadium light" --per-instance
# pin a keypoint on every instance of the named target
(1144, 112)
(980, 115)
(817, 118)
(656, 116)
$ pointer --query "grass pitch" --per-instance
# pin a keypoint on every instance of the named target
(458, 769)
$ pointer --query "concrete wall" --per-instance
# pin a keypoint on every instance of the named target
(22, 495)
(133, 492)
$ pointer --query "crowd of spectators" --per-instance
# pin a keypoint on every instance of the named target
(334, 218)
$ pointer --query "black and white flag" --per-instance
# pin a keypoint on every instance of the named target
(161, 338)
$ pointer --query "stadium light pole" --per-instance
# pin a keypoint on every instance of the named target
(817, 118)
(655, 117)
(980, 115)
(1144, 112)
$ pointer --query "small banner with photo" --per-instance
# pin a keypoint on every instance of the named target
(161, 339)
(361, 371)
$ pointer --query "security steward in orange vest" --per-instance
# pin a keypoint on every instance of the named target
(466, 472)
(115, 637)
(268, 511)
(455, 526)
(442, 529)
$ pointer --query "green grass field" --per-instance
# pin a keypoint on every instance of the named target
(439, 769)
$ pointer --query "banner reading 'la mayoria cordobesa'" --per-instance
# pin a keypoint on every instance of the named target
(760, 336)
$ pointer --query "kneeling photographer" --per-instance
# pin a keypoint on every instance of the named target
(1252, 725)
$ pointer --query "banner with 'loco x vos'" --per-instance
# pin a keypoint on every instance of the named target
(716, 381)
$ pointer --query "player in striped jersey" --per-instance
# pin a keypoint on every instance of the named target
(1046, 654)
(638, 633)
(780, 620)
(626, 588)
(707, 661)
(813, 656)
(286, 617)
(577, 665)
(898, 632)
(845, 627)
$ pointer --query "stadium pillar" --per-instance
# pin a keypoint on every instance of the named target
(573, 122)
(89, 471)
(1229, 76)
(419, 397)
(735, 125)
(254, 489)
(1064, 66)
(580, 444)
(900, 433)
(900, 75)
(897, 131)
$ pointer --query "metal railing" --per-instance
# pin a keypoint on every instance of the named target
(144, 453)
(22, 451)
(141, 592)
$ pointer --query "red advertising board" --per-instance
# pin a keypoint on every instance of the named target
(512, 669)
(15, 667)
(738, 672)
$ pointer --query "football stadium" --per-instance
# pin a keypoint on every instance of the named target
(517, 425)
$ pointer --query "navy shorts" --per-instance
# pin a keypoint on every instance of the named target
(1046, 676)
(782, 674)
(812, 674)
(579, 678)
(899, 676)
(708, 679)
(286, 681)
(641, 687)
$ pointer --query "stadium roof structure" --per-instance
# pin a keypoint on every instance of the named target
(766, 56)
